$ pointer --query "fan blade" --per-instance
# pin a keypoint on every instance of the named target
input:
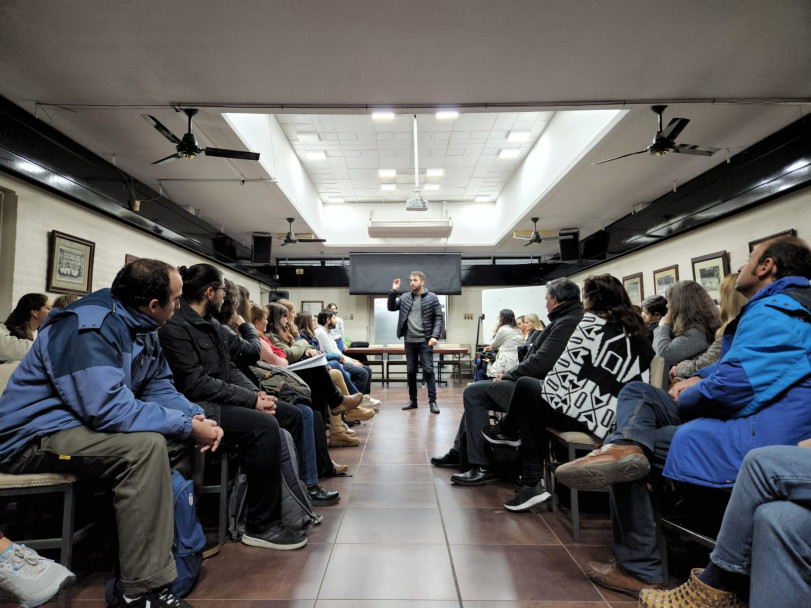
(695, 150)
(311, 240)
(674, 127)
(239, 154)
(530, 243)
(161, 129)
(168, 159)
(608, 160)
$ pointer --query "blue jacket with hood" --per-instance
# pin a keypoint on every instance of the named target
(96, 363)
(757, 394)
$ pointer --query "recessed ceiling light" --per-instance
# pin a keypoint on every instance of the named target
(447, 115)
(432, 186)
(518, 136)
(335, 199)
(388, 187)
(316, 155)
(509, 153)
(382, 115)
(387, 172)
(435, 172)
(486, 198)
(308, 138)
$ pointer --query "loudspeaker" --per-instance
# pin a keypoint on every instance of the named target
(224, 245)
(569, 248)
(260, 249)
(595, 246)
(278, 295)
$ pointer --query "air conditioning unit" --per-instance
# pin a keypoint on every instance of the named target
(411, 229)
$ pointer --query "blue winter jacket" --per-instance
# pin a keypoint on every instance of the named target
(757, 394)
(96, 363)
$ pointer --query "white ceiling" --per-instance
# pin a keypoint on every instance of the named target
(738, 69)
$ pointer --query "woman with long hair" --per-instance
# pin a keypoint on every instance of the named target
(282, 332)
(533, 327)
(506, 340)
(270, 354)
(608, 349)
(18, 332)
(731, 303)
(689, 326)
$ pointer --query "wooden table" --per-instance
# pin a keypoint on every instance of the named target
(385, 351)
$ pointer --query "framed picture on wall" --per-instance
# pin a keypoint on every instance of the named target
(708, 270)
(756, 242)
(664, 278)
(70, 264)
(312, 306)
(633, 285)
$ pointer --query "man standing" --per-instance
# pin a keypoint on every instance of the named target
(421, 324)
(95, 397)
(565, 311)
(756, 395)
(203, 371)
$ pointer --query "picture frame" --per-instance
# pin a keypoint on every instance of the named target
(664, 278)
(633, 285)
(756, 242)
(312, 306)
(70, 264)
(709, 270)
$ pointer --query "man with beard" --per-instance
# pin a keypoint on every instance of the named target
(204, 372)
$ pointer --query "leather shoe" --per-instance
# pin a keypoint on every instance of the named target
(321, 496)
(612, 576)
(411, 405)
(434, 407)
(477, 476)
(451, 459)
(604, 467)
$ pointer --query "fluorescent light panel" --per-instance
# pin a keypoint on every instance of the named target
(316, 156)
(308, 138)
(383, 115)
(518, 136)
(447, 115)
(435, 172)
(509, 153)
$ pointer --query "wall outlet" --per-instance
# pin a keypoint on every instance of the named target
(299, 271)
(351, 316)
(468, 316)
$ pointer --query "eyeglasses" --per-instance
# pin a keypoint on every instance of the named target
(219, 288)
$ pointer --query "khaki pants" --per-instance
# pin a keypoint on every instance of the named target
(137, 464)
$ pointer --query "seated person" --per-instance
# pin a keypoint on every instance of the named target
(100, 403)
(731, 303)
(764, 546)
(65, 300)
(203, 371)
(27, 576)
(506, 340)
(17, 334)
(756, 395)
(565, 312)
(689, 326)
(653, 309)
(337, 332)
(608, 348)
(361, 374)
(532, 329)
(270, 354)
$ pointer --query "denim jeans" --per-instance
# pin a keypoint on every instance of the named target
(309, 464)
(361, 376)
(649, 417)
(766, 531)
(415, 351)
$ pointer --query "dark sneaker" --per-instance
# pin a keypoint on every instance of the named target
(322, 497)
(493, 434)
(158, 598)
(451, 459)
(527, 497)
(276, 537)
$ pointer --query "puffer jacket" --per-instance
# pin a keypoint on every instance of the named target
(758, 394)
(96, 363)
(432, 321)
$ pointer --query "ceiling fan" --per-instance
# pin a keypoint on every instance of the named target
(291, 238)
(535, 237)
(188, 147)
(665, 140)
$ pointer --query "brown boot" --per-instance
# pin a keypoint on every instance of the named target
(337, 437)
(359, 413)
(349, 403)
(691, 594)
(605, 466)
(612, 576)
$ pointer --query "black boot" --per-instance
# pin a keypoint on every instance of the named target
(477, 476)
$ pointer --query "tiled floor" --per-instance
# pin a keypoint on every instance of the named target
(404, 537)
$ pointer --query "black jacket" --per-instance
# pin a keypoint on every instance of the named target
(200, 362)
(432, 321)
(543, 353)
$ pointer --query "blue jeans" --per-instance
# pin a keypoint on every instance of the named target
(766, 532)
(420, 351)
(309, 464)
(361, 376)
(347, 378)
(649, 417)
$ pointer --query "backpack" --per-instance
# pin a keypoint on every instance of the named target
(187, 545)
(297, 511)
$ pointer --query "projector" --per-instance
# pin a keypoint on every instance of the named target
(416, 204)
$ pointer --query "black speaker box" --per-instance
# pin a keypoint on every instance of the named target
(569, 248)
(278, 295)
(260, 249)
(595, 246)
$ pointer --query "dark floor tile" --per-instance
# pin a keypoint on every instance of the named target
(394, 457)
(327, 530)
(395, 572)
(530, 604)
(495, 527)
(392, 442)
(394, 473)
(583, 554)
(392, 495)
(458, 497)
(595, 528)
(203, 603)
(534, 572)
(387, 604)
(250, 573)
(391, 526)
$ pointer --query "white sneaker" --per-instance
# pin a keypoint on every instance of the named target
(30, 578)
(370, 403)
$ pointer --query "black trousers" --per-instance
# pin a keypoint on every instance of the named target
(324, 393)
